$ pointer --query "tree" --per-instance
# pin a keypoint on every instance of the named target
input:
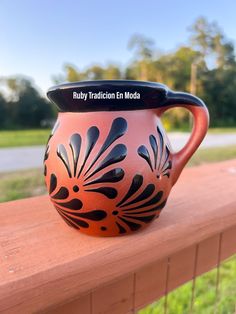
(218, 91)
(95, 72)
(112, 72)
(175, 68)
(143, 48)
(26, 108)
(213, 45)
(201, 36)
(72, 73)
(205, 66)
(3, 112)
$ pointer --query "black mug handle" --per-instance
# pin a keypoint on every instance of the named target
(200, 126)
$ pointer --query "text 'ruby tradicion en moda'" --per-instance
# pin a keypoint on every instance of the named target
(105, 95)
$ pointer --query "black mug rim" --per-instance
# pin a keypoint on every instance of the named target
(150, 95)
(110, 83)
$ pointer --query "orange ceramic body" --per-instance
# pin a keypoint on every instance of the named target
(109, 172)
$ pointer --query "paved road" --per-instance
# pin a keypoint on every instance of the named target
(32, 157)
(18, 158)
(211, 140)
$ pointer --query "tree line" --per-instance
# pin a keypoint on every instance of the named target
(22, 106)
(205, 65)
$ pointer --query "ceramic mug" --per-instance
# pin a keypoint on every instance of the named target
(109, 166)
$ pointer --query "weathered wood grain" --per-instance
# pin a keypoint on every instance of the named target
(43, 263)
(150, 283)
(81, 305)
(228, 242)
(207, 255)
(181, 267)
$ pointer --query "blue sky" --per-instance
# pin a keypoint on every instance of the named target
(38, 37)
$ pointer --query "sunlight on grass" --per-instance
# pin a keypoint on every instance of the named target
(21, 184)
(178, 302)
(221, 130)
(32, 137)
(205, 293)
(24, 137)
(214, 154)
(227, 293)
(205, 297)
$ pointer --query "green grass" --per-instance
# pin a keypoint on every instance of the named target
(21, 184)
(205, 297)
(222, 130)
(24, 137)
(214, 154)
(218, 130)
(40, 136)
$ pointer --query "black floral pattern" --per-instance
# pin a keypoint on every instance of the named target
(46, 154)
(86, 172)
(139, 205)
(69, 210)
(160, 163)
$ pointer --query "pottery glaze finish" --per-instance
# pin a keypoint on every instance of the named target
(108, 165)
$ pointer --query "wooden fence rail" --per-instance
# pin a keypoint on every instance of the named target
(46, 267)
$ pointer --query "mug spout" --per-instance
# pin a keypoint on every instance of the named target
(181, 98)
